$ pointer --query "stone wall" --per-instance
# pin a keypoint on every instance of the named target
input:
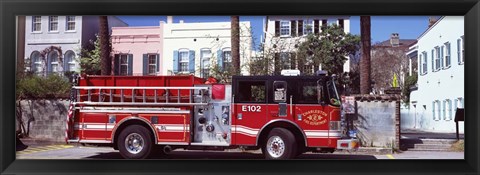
(377, 120)
(44, 119)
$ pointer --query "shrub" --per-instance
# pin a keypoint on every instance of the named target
(34, 87)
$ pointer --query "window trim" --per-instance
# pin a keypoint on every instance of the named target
(461, 50)
(205, 72)
(437, 58)
(35, 22)
(447, 55)
(51, 63)
(120, 64)
(289, 28)
(305, 23)
(424, 65)
(74, 24)
(50, 22)
(180, 61)
(71, 62)
(154, 64)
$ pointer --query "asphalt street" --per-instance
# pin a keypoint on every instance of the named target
(92, 152)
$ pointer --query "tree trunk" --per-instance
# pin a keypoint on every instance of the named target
(235, 42)
(365, 80)
(106, 62)
(21, 47)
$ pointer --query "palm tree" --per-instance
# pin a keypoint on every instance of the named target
(365, 81)
(106, 62)
(235, 41)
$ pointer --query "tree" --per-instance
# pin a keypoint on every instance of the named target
(329, 49)
(235, 43)
(106, 61)
(385, 63)
(365, 81)
(90, 58)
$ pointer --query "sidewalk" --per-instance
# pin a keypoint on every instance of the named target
(418, 134)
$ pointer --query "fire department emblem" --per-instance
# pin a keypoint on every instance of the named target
(315, 117)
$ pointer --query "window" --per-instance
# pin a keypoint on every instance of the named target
(53, 23)
(123, 64)
(70, 63)
(152, 64)
(183, 61)
(436, 109)
(285, 58)
(53, 61)
(424, 62)
(205, 55)
(227, 59)
(449, 109)
(442, 57)
(447, 55)
(437, 59)
(341, 23)
(307, 26)
(433, 60)
(70, 23)
(460, 51)
(333, 98)
(463, 49)
(36, 23)
(444, 109)
(284, 28)
(251, 92)
(36, 62)
(280, 91)
(307, 91)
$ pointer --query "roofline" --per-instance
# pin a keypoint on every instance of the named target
(430, 28)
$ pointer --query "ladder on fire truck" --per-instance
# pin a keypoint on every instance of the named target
(140, 96)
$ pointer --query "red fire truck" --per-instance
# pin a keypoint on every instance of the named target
(284, 116)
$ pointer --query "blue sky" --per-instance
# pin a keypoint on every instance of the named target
(408, 27)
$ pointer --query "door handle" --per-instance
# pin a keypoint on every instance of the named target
(239, 116)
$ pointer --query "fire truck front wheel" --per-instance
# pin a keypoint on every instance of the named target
(280, 144)
(135, 142)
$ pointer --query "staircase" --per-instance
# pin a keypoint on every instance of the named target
(414, 144)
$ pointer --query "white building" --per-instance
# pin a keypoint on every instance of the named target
(52, 43)
(193, 48)
(284, 33)
(441, 70)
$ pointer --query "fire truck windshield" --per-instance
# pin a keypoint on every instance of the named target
(333, 98)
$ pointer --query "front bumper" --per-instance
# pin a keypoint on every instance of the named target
(348, 144)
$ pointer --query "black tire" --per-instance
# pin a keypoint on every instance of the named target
(136, 134)
(277, 139)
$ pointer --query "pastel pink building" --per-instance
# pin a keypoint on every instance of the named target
(137, 50)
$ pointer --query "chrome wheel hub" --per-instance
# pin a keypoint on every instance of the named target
(275, 146)
(134, 143)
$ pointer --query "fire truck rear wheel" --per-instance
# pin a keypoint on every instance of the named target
(135, 142)
(280, 144)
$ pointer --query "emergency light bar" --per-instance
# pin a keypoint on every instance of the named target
(290, 72)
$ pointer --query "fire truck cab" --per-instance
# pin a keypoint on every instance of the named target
(284, 116)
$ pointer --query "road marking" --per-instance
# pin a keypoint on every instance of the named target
(31, 150)
(390, 156)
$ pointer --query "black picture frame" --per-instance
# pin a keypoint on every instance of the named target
(9, 9)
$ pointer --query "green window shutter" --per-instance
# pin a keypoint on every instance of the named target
(145, 64)
(277, 28)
